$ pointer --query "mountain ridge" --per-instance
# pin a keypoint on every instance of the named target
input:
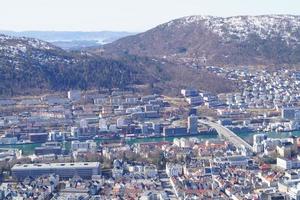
(238, 40)
(30, 66)
(166, 58)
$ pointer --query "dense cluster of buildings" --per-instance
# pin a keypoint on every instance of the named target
(266, 101)
(92, 115)
(81, 149)
(187, 168)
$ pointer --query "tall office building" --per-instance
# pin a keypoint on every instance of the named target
(193, 124)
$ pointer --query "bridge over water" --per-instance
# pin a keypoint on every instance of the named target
(228, 134)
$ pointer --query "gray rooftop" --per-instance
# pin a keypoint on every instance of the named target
(56, 165)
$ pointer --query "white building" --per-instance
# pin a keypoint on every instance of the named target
(183, 142)
(87, 146)
(65, 170)
(233, 160)
(258, 138)
(83, 123)
(174, 169)
(103, 125)
(288, 163)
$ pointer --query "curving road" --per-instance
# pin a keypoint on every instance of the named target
(231, 136)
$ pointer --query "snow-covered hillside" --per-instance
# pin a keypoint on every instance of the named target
(238, 40)
(241, 27)
(18, 50)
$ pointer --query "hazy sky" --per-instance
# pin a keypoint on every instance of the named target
(125, 15)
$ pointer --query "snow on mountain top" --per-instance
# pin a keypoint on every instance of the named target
(17, 50)
(24, 42)
(240, 27)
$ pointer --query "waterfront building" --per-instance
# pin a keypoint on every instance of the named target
(38, 137)
(8, 140)
(87, 146)
(193, 124)
(174, 131)
(225, 121)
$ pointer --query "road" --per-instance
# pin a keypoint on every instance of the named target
(228, 134)
(165, 181)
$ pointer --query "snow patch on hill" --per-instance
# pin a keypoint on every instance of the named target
(240, 28)
(17, 50)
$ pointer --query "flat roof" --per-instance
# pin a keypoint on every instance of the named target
(56, 165)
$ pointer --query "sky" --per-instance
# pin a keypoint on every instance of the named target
(125, 15)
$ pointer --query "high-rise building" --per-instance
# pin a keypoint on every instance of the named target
(193, 124)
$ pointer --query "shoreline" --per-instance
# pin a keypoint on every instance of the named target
(28, 148)
(120, 139)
